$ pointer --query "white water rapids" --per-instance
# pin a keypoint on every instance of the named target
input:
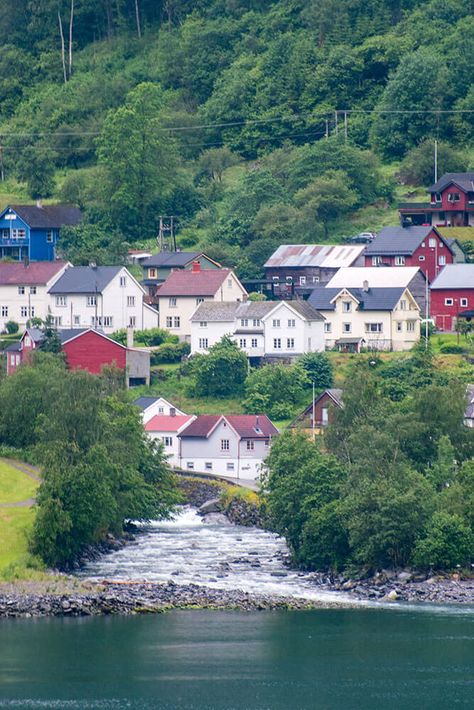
(192, 550)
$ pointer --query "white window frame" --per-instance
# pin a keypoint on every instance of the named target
(277, 343)
(347, 306)
(347, 327)
(463, 302)
(290, 343)
(448, 302)
(172, 302)
(291, 323)
(399, 261)
(91, 301)
(225, 444)
(61, 301)
(327, 327)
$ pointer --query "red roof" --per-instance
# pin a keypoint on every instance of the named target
(193, 283)
(36, 272)
(163, 422)
(247, 426)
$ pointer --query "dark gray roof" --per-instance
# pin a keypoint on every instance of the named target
(14, 347)
(171, 258)
(48, 216)
(36, 334)
(144, 402)
(397, 240)
(67, 334)
(306, 310)
(85, 279)
(464, 180)
(375, 299)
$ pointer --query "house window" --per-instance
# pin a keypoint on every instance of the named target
(276, 279)
(256, 322)
(302, 280)
(169, 322)
(190, 465)
(49, 236)
(399, 261)
(327, 327)
(411, 326)
(277, 343)
(203, 324)
(403, 305)
(172, 302)
(448, 301)
(315, 279)
(276, 323)
(442, 260)
(432, 243)
(130, 301)
(346, 306)
(152, 273)
(102, 321)
(58, 321)
(33, 290)
(374, 327)
(4, 311)
(464, 302)
(168, 440)
(254, 342)
(250, 446)
(91, 301)
(208, 465)
(399, 326)
(18, 234)
(229, 467)
(229, 283)
(347, 327)
(203, 343)
(290, 343)
(199, 300)
(177, 321)
(77, 320)
(132, 321)
(225, 445)
(421, 257)
(123, 280)
(289, 279)
(244, 322)
(376, 260)
(242, 343)
(454, 197)
(61, 300)
(21, 290)
(292, 323)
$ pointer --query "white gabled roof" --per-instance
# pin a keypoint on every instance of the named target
(377, 276)
(455, 276)
(328, 256)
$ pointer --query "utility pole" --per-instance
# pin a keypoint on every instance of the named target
(335, 118)
(436, 161)
(345, 126)
(327, 129)
(166, 236)
(2, 170)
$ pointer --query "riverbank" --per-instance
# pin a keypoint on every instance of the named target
(68, 598)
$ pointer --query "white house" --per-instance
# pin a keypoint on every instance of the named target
(156, 406)
(105, 297)
(372, 318)
(166, 429)
(260, 328)
(24, 290)
(234, 445)
(185, 289)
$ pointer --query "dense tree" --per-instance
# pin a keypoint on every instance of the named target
(319, 369)
(222, 372)
(417, 167)
(275, 389)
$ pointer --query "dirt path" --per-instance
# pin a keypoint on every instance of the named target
(31, 471)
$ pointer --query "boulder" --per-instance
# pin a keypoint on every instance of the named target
(210, 506)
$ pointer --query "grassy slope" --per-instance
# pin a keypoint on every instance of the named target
(14, 485)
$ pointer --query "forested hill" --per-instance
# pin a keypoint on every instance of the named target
(252, 121)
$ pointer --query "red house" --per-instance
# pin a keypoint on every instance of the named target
(323, 407)
(452, 295)
(423, 247)
(451, 203)
(86, 349)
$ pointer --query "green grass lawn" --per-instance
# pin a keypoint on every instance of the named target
(15, 486)
(15, 525)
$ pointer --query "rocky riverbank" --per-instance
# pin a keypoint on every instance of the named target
(108, 597)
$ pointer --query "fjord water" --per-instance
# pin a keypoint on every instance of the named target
(204, 660)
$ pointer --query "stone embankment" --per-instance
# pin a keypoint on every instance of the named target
(110, 597)
(407, 586)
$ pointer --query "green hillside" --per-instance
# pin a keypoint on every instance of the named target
(253, 122)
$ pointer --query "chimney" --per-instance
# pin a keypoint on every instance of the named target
(39, 204)
(365, 286)
(196, 267)
(129, 336)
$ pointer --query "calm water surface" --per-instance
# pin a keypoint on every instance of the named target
(198, 660)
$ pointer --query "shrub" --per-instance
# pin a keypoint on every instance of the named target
(452, 348)
(170, 352)
(12, 327)
(318, 367)
(222, 372)
(152, 336)
(275, 390)
(448, 542)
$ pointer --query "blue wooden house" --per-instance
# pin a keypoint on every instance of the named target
(31, 231)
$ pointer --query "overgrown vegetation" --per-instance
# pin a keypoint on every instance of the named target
(254, 123)
(393, 484)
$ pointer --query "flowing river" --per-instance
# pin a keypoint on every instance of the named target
(192, 549)
(363, 658)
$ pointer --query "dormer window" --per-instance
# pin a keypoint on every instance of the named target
(346, 306)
